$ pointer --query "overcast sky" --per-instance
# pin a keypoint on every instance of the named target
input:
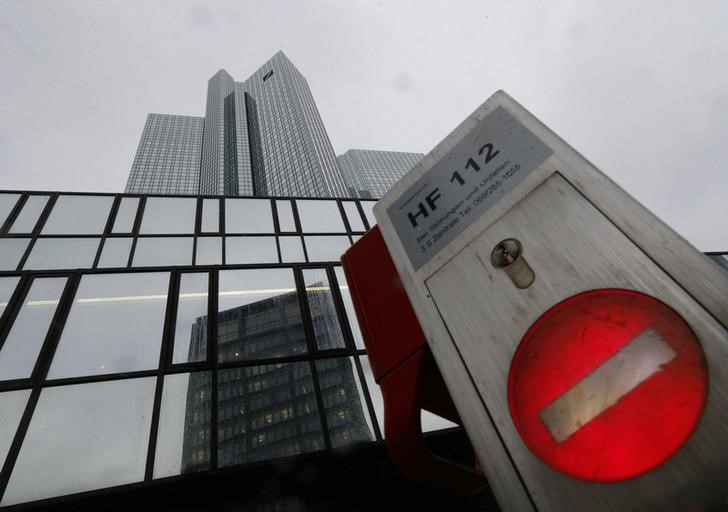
(640, 88)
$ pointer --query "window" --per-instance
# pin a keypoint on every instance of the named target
(190, 335)
(268, 75)
(258, 315)
(25, 339)
(323, 311)
(84, 437)
(67, 253)
(115, 325)
(78, 215)
(169, 215)
(183, 441)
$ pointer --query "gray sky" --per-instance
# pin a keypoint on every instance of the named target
(639, 88)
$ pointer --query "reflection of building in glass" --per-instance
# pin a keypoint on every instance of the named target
(270, 410)
(369, 174)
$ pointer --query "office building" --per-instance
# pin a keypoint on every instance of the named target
(368, 174)
(118, 391)
(260, 137)
(167, 160)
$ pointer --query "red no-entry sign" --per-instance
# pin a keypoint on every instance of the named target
(607, 385)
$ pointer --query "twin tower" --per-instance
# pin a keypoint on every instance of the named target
(260, 137)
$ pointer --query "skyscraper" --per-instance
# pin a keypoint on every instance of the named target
(263, 137)
(167, 160)
(369, 174)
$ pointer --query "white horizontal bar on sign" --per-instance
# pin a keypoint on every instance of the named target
(633, 364)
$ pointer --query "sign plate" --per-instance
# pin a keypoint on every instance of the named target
(484, 166)
(607, 385)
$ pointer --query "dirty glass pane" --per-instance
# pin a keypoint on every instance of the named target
(325, 321)
(11, 251)
(286, 222)
(161, 251)
(78, 215)
(25, 339)
(115, 252)
(28, 217)
(169, 215)
(347, 417)
(66, 253)
(349, 306)
(252, 249)
(190, 334)
(7, 287)
(125, 215)
(368, 207)
(248, 216)
(375, 393)
(210, 216)
(291, 249)
(326, 248)
(353, 216)
(209, 250)
(320, 216)
(258, 315)
(84, 437)
(12, 405)
(115, 325)
(7, 202)
(265, 412)
(183, 439)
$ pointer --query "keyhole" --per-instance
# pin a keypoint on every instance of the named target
(508, 255)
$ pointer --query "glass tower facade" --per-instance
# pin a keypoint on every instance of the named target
(167, 160)
(369, 174)
(260, 137)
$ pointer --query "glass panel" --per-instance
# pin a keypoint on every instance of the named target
(190, 334)
(248, 216)
(25, 339)
(183, 440)
(84, 437)
(374, 392)
(28, 217)
(50, 253)
(259, 315)
(125, 215)
(326, 326)
(265, 412)
(7, 202)
(78, 215)
(115, 325)
(209, 250)
(320, 216)
(250, 249)
(431, 422)
(368, 207)
(11, 251)
(353, 215)
(286, 222)
(349, 307)
(210, 216)
(326, 248)
(163, 251)
(115, 252)
(291, 249)
(169, 215)
(7, 287)
(344, 403)
(12, 404)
